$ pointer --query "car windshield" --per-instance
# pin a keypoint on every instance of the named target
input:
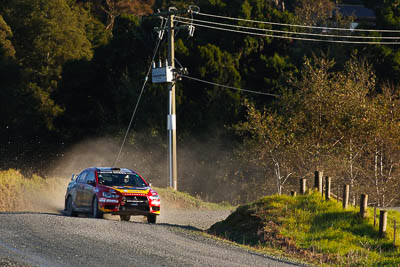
(121, 179)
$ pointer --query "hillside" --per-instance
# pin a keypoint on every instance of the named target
(311, 229)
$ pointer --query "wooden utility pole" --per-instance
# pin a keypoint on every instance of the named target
(172, 108)
(168, 74)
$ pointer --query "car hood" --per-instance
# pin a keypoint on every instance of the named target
(131, 189)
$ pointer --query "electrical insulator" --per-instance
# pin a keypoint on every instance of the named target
(191, 29)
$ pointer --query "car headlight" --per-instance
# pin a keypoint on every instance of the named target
(109, 195)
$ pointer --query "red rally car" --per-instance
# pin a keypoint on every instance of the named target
(118, 191)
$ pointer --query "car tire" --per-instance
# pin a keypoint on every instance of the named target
(70, 209)
(95, 208)
(125, 218)
(151, 218)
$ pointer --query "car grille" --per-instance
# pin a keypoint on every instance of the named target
(136, 198)
(137, 203)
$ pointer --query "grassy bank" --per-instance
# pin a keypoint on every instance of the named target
(309, 228)
(19, 193)
(181, 200)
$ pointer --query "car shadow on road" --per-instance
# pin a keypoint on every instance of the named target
(55, 213)
(186, 227)
(176, 226)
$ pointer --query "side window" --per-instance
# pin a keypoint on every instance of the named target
(81, 177)
(90, 176)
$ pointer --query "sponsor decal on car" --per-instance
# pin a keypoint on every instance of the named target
(106, 200)
(128, 191)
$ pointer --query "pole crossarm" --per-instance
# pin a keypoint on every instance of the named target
(171, 12)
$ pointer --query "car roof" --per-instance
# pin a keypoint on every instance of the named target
(111, 169)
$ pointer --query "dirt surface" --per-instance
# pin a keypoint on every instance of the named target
(51, 239)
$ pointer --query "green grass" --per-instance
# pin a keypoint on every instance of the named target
(313, 229)
(181, 200)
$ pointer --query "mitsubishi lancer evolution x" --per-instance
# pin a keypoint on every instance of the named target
(118, 191)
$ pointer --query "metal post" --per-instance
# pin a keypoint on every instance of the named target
(172, 112)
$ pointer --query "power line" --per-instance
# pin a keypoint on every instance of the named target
(291, 37)
(140, 96)
(295, 25)
(227, 86)
(289, 32)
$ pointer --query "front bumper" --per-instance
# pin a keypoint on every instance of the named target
(141, 207)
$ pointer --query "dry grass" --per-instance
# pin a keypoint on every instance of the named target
(18, 193)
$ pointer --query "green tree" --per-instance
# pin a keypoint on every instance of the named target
(6, 48)
(385, 58)
(46, 35)
(107, 87)
(16, 104)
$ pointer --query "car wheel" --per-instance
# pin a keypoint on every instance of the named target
(125, 217)
(70, 209)
(96, 212)
(151, 218)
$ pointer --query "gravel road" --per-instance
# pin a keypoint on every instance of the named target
(51, 239)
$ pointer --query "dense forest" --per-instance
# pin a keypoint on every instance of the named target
(71, 72)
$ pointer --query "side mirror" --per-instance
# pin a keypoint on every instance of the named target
(91, 182)
(73, 177)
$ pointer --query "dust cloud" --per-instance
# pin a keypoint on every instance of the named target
(204, 168)
(149, 161)
(48, 198)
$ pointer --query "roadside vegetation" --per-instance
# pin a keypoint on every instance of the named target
(21, 193)
(308, 228)
(182, 200)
